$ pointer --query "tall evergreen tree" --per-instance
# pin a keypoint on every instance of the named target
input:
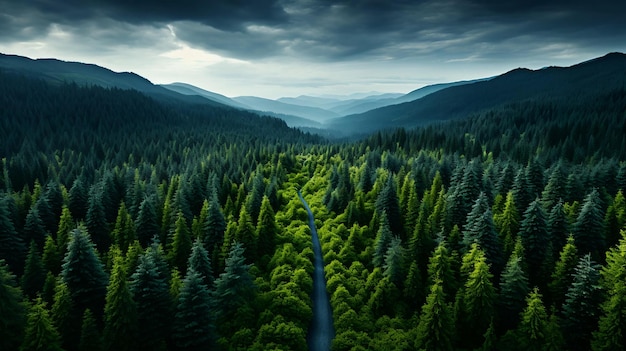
(96, 221)
(440, 269)
(150, 289)
(120, 313)
(51, 257)
(483, 233)
(40, 334)
(513, 292)
(435, 330)
(193, 327)
(562, 277)
(535, 331)
(214, 228)
(554, 190)
(534, 234)
(34, 274)
(611, 334)
(581, 310)
(507, 224)
(90, 338)
(146, 224)
(123, 233)
(588, 230)
(383, 240)
(78, 199)
(266, 230)
(62, 314)
(387, 202)
(12, 312)
(181, 244)
(12, 247)
(394, 262)
(558, 228)
(200, 262)
(84, 273)
(34, 228)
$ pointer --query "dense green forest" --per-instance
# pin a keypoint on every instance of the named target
(132, 224)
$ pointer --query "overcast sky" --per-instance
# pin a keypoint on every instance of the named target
(274, 48)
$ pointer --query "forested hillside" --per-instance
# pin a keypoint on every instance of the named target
(129, 224)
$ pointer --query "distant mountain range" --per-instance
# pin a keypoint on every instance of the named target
(358, 113)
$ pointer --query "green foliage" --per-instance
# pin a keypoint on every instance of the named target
(90, 338)
(12, 248)
(193, 327)
(200, 262)
(34, 274)
(181, 243)
(513, 291)
(384, 236)
(534, 234)
(435, 330)
(40, 333)
(12, 311)
(589, 227)
(120, 313)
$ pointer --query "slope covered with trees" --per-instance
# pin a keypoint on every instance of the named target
(127, 223)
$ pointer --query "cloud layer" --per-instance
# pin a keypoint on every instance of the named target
(385, 38)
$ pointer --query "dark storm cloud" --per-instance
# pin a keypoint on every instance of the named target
(323, 30)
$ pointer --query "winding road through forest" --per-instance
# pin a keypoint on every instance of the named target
(321, 331)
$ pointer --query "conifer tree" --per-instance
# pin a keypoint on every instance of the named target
(12, 312)
(34, 274)
(394, 261)
(62, 313)
(581, 310)
(34, 229)
(483, 233)
(40, 334)
(78, 199)
(435, 330)
(12, 247)
(84, 273)
(233, 288)
(589, 227)
(387, 202)
(534, 234)
(120, 313)
(51, 257)
(413, 288)
(181, 244)
(513, 292)
(522, 192)
(383, 240)
(123, 233)
(90, 338)
(554, 190)
(150, 289)
(146, 224)
(478, 301)
(66, 225)
(200, 262)
(558, 228)
(193, 327)
(611, 334)
(562, 277)
(246, 234)
(440, 269)
(96, 221)
(534, 332)
(214, 228)
(266, 229)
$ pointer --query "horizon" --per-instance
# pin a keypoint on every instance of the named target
(278, 48)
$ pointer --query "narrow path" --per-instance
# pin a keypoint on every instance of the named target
(321, 331)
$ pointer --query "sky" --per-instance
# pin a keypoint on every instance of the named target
(274, 48)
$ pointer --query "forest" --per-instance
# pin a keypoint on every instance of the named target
(132, 224)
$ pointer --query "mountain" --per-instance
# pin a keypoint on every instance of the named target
(601, 74)
(57, 72)
(261, 104)
(188, 89)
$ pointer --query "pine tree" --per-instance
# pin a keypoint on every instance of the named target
(394, 261)
(146, 224)
(413, 288)
(34, 229)
(200, 262)
(440, 269)
(150, 289)
(96, 221)
(383, 240)
(513, 291)
(435, 330)
(562, 277)
(534, 331)
(90, 338)
(181, 243)
(78, 199)
(387, 202)
(12, 247)
(120, 313)
(589, 227)
(40, 334)
(266, 229)
(507, 224)
(554, 190)
(611, 334)
(84, 273)
(483, 233)
(522, 192)
(66, 225)
(123, 233)
(214, 228)
(558, 228)
(34, 274)
(582, 306)
(534, 234)
(12, 313)
(193, 327)
(478, 304)
(62, 313)
(51, 257)
(615, 219)
(246, 234)
(233, 288)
